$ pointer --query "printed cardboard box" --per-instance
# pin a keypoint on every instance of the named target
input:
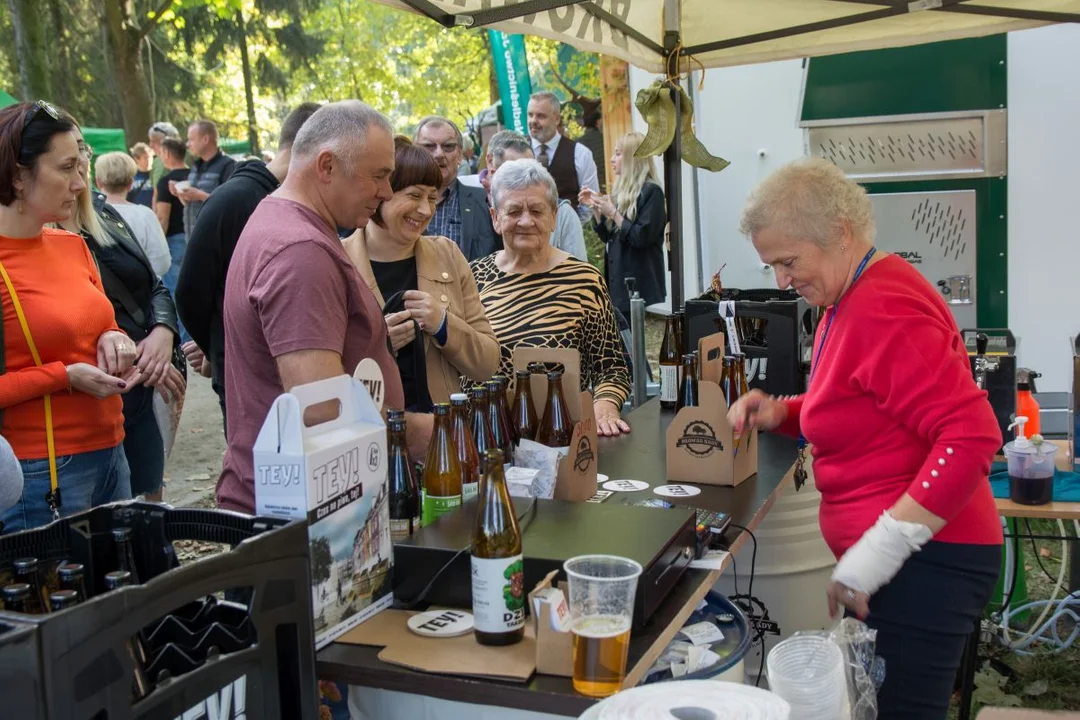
(334, 475)
(701, 444)
(576, 479)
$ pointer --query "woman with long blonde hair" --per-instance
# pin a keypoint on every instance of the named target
(145, 311)
(630, 221)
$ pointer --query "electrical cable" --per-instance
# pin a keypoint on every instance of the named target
(1035, 550)
(748, 602)
(411, 604)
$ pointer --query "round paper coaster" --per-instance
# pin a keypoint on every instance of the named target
(442, 623)
(625, 485)
(601, 478)
(677, 491)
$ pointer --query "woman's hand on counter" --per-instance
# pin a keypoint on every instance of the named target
(757, 410)
(609, 420)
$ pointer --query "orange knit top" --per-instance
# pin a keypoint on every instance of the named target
(62, 297)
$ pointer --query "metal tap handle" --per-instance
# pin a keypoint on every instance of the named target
(631, 286)
(981, 343)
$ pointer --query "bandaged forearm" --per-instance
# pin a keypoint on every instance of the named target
(874, 560)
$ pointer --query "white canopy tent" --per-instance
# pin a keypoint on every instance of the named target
(673, 35)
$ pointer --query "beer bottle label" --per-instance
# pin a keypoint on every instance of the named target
(498, 592)
(669, 382)
(469, 490)
(436, 506)
(401, 529)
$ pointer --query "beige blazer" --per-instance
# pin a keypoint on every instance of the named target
(471, 349)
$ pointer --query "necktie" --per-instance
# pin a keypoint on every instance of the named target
(543, 156)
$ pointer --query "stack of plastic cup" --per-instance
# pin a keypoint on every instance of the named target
(808, 672)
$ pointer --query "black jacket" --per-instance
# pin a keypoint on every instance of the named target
(162, 310)
(478, 237)
(636, 249)
(200, 290)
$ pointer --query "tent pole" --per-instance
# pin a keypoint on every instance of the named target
(673, 158)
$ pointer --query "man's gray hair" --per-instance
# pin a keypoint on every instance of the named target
(551, 97)
(340, 128)
(505, 140)
(164, 129)
(522, 174)
(809, 199)
(438, 120)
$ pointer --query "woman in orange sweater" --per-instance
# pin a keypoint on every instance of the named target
(65, 361)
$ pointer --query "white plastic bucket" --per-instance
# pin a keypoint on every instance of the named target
(792, 570)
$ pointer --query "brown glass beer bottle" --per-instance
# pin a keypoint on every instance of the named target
(524, 414)
(556, 427)
(442, 471)
(498, 578)
(464, 444)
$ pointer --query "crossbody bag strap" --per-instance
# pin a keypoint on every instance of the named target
(53, 496)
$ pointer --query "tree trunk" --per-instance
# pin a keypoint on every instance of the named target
(63, 72)
(493, 78)
(125, 43)
(30, 49)
(249, 92)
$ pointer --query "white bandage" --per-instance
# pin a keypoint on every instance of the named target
(880, 553)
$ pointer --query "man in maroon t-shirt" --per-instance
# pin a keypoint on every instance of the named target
(296, 310)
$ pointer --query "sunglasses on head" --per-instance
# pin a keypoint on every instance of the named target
(39, 107)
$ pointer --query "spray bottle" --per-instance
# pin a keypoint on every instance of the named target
(1026, 404)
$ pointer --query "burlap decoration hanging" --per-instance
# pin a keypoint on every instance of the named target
(658, 108)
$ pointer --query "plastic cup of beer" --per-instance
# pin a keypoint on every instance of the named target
(602, 589)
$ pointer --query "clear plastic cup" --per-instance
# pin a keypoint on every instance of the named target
(601, 599)
(808, 672)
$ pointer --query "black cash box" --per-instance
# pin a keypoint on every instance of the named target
(663, 542)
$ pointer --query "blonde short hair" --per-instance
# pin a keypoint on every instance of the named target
(115, 171)
(139, 149)
(810, 199)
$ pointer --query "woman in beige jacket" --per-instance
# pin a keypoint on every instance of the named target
(425, 287)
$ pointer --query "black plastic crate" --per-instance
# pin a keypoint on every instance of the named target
(776, 329)
(20, 681)
(78, 663)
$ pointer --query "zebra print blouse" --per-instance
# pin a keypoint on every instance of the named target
(565, 307)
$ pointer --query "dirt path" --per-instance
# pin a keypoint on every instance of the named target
(195, 463)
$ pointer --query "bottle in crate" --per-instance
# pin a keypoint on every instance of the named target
(28, 570)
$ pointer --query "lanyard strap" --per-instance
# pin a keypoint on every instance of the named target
(53, 497)
(828, 325)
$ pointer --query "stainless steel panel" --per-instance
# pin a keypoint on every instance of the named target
(913, 147)
(935, 232)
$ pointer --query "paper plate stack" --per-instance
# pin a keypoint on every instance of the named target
(691, 700)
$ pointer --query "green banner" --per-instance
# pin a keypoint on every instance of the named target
(512, 70)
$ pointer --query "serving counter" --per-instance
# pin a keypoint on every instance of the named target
(637, 456)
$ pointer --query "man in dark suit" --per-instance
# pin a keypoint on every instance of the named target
(462, 211)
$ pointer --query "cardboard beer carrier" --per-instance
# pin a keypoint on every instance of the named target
(334, 475)
(701, 444)
(576, 477)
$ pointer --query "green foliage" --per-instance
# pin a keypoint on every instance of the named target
(593, 246)
(321, 560)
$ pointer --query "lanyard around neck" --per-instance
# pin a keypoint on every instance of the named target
(832, 315)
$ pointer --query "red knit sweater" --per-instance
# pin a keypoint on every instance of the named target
(893, 408)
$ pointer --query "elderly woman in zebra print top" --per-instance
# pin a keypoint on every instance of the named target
(535, 295)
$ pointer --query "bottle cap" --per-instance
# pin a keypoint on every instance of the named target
(459, 398)
(554, 374)
(70, 570)
(16, 591)
(24, 565)
(63, 599)
(442, 409)
(396, 425)
(395, 414)
(117, 579)
(121, 534)
(522, 373)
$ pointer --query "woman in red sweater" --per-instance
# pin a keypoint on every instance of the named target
(64, 372)
(902, 438)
